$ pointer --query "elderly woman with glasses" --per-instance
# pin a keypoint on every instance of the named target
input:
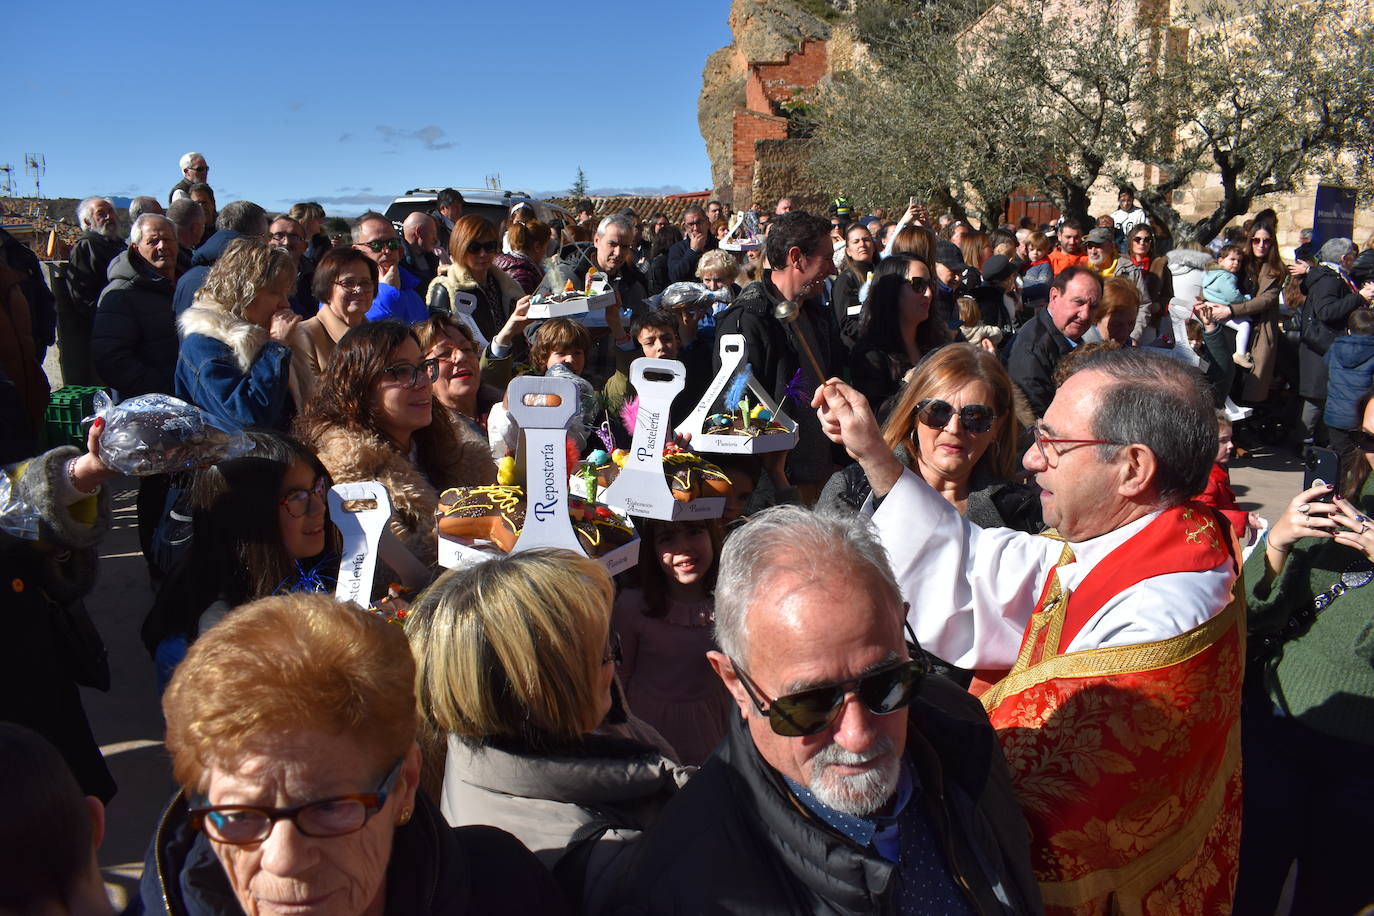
(474, 244)
(1306, 742)
(344, 284)
(235, 357)
(373, 418)
(292, 728)
(516, 674)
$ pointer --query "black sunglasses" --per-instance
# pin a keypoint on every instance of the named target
(1362, 439)
(489, 247)
(380, 245)
(976, 418)
(919, 285)
(810, 711)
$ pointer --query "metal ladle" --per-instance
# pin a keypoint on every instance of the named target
(788, 312)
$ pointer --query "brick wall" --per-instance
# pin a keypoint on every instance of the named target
(800, 70)
(750, 127)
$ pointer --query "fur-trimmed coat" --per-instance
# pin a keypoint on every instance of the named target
(488, 316)
(232, 369)
(353, 453)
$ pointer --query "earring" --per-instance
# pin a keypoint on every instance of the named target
(405, 816)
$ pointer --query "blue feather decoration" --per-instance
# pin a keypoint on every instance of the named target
(738, 385)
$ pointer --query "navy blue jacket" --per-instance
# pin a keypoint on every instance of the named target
(682, 259)
(134, 336)
(1350, 371)
(206, 255)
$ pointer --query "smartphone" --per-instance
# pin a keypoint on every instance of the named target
(1320, 464)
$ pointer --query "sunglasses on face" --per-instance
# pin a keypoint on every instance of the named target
(976, 418)
(380, 245)
(489, 247)
(1143, 239)
(919, 285)
(811, 711)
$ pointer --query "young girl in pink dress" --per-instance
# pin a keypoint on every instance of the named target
(666, 629)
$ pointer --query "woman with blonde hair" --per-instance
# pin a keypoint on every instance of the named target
(516, 684)
(954, 425)
(300, 709)
(235, 357)
(474, 244)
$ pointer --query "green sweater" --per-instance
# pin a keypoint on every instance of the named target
(1325, 676)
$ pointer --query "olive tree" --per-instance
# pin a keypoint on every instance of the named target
(971, 100)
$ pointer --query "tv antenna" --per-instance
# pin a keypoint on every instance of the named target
(6, 180)
(494, 181)
(36, 166)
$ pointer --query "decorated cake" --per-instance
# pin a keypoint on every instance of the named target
(497, 514)
(689, 476)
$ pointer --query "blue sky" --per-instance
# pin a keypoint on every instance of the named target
(351, 103)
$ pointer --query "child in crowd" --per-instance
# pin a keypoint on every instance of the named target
(558, 341)
(971, 323)
(1221, 285)
(665, 631)
(1035, 282)
(1218, 493)
(1349, 374)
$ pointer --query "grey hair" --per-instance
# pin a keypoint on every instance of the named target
(1334, 249)
(1157, 401)
(791, 539)
(241, 216)
(369, 217)
(141, 205)
(188, 158)
(183, 210)
(624, 223)
(136, 230)
(83, 211)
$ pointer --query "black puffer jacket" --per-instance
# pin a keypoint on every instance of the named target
(735, 841)
(1035, 351)
(1330, 300)
(88, 272)
(435, 870)
(134, 340)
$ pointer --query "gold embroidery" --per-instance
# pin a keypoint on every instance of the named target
(1206, 525)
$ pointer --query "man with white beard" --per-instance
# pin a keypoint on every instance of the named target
(99, 244)
(853, 780)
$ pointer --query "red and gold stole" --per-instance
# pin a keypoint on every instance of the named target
(1126, 760)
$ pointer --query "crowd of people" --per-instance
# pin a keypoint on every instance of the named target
(994, 636)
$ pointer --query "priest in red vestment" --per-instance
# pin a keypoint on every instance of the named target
(1113, 646)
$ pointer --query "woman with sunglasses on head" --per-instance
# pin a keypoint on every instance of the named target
(954, 425)
(344, 284)
(298, 781)
(1307, 742)
(259, 527)
(373, 418)
(896, 328)
(474, 244)
(523, 720)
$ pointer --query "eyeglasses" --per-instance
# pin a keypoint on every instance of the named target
(613, 653)
(976, 418)
(695, 222)
(353, 286)
(200, 168)
(408, 376)
(455, 355)
(919, 285)
(1051, 455)
(1258, 241)
(287, 236)
(489, 247)
(244, 825)
(1362, 439)
(810, 711)
(298, 502)
(380, 245)
(1143, 239)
